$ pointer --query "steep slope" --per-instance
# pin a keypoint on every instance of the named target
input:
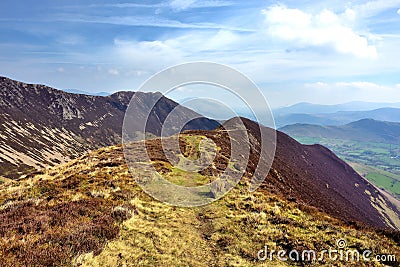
(42, 126)
(316, 176)
(366, 130)
(90, 212)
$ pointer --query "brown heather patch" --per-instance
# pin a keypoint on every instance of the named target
(57, 214)
(37, 234)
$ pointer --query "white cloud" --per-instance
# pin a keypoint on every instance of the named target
(127, 5)
(136, 73)
(146, 55)
(254, 53)
(184, 89)
(368, 91)
(180, 5)
(147, 21)
(114, 72)
(349, 15)
(372, 8)
(211, 3)
(398, 11)
(317, 85)
(361, 85)
(175, 5)
(340, 92)
(196, 42)
(325, 29)
(71, 39)
(364, 85)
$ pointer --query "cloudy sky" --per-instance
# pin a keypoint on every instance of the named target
(322, 52)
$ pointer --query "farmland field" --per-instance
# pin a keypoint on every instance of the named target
(377, 162)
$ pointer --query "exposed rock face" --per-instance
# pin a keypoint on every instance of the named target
(41, 126)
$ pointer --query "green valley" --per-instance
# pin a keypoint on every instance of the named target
(377, 162)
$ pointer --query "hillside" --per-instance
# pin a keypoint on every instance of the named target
(365, 130)
(42, 126)
(91, 212)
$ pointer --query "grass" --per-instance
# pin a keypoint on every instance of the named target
(90, 212)
(185, 178)
(5, 180)
(228, 232)
(383, 179)
(187, 171)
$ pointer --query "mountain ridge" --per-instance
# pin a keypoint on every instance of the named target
(312, 108)
(43, 126)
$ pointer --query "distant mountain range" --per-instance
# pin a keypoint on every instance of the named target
(309, 108)
(41, 126)
(337, 118)
(365, 130)
(305, 113)
(76, 91)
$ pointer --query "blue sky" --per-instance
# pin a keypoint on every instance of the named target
(321, 52)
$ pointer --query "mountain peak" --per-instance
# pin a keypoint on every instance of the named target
(42, 126)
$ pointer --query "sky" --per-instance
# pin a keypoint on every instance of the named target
(323, 52)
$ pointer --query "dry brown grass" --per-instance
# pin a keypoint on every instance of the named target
(36, 234)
